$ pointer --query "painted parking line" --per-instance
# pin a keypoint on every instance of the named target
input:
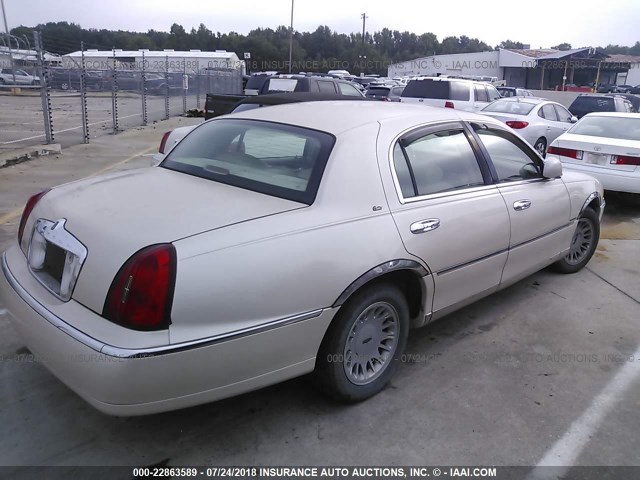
(13, 214)
(565, 452)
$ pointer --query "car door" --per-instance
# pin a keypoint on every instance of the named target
(539, 209)
(554, 128)
(480, 96)
(448, 212)
(564, 117)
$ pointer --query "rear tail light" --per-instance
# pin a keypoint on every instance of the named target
(27, 211)
(163, 142)
(624, 160)
(565, 152)
(141, 293)
(517, 124)
(449, 105)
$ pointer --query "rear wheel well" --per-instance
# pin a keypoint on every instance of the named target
(408, 282)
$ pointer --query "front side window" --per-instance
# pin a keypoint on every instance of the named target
(350, 90)
(437, 162)
(564, 115)
(493, 93)
(511, 159)
(481, 93)
(275, 159)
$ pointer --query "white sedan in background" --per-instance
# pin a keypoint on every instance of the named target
(606, 146)
(537, 120)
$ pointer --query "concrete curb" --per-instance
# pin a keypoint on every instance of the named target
(25, 154)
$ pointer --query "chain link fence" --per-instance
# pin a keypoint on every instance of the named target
(75, 102)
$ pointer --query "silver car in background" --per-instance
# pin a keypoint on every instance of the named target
(537, 120)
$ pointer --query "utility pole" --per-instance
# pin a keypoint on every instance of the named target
(6, 28)
(364, 22)
(291, 38)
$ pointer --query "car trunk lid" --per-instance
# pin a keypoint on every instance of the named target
(116, 215)
(599, 152)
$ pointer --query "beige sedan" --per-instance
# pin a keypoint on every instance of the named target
(281, 241)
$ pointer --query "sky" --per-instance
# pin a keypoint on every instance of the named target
(543, 23)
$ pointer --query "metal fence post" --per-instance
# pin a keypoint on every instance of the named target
(144, 92)
(166, 88)
(198, 79)
(185, 86)
(114, 95)
(83, 97)
(45, 94)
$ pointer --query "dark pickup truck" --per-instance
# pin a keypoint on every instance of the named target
(217, 105)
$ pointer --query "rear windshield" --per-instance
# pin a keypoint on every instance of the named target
(281, 85)
(514, 108)
(272, 158)
(437, 89)
(255, 82)
(609, 127)
(593, 104)
(377, 92)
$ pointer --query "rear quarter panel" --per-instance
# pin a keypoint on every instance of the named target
(251, 273)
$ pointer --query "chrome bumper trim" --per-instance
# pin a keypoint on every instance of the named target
(121, 352)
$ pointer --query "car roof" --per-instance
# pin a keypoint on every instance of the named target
(613, 114)
(534, 100)
(294, 97)
(339, 116)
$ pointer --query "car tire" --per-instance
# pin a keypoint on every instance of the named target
(541, 146)
(359, 353)
(64, 86)
(583, 243)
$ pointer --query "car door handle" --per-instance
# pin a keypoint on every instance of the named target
(521, 205)
(425, 225)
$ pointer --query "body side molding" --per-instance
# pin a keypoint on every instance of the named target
(383, 268)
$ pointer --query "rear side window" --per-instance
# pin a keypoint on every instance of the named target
(549, 112)
(437, 90)
(326, 87)
(281, 85)
(437, 162)
(271, 158)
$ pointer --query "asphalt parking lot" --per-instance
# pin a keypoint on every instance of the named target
(546, 370)
(22, 123)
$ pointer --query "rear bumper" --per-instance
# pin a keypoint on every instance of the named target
(614, 180)
(138, 382)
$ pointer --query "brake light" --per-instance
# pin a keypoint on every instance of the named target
(163, 142)
(517, 124)
(624, 160)
(565, 152)
(27, 211)
(141, 294)
(449, 105)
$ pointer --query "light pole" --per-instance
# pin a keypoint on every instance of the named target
(290, 37)
(6, 27)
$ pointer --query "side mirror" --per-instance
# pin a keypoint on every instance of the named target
(552, 168)
(573, 119)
